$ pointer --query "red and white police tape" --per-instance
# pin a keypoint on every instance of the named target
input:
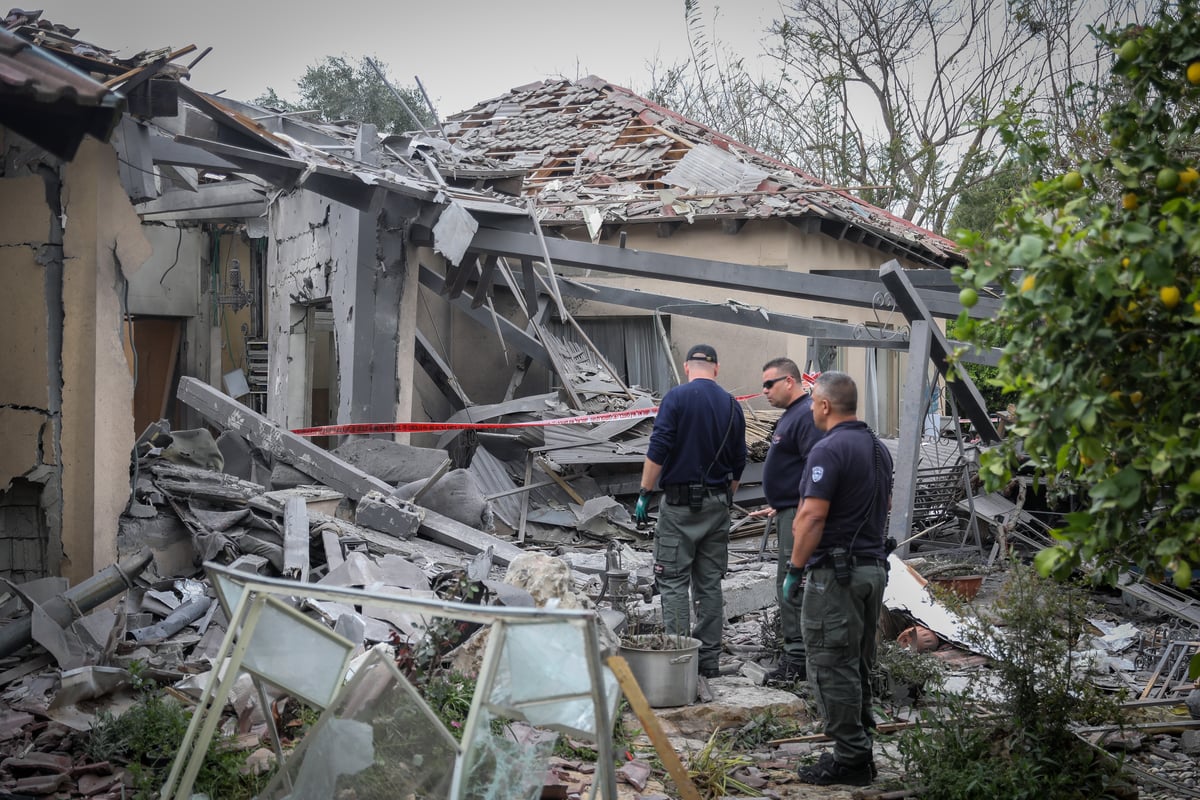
(437, 427)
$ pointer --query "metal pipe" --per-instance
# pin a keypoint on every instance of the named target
(78, 600)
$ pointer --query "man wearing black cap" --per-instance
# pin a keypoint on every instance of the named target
(697, 451)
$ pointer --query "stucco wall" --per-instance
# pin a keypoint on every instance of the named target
(102, 246)
(68, 241)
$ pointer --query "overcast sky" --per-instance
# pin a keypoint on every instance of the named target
(464, 51)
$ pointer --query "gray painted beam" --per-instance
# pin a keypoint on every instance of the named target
(916, 392)
(440, 373)
(518, 338)
(228, 414)
(782, 283)
(964, 389)
(207, 196)
(832, 333)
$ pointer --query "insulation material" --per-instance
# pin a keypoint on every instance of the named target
(453, 232)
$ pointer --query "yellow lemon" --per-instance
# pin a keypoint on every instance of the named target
(1028, 284)
(1193, 73)
(1136, 397)
(1170, 296)
(1129, 201)
(1189, 176)
(1073, 181)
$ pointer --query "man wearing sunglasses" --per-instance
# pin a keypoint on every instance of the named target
(794, 435)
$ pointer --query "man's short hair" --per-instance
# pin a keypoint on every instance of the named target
(839, 389)
(784, 365)
(702, 352)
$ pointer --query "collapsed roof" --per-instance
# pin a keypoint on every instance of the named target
(597, 153)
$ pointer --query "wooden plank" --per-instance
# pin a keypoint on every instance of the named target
(545, 467)
(658, 737)
(228, 414)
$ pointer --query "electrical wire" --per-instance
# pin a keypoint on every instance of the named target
(178, 244)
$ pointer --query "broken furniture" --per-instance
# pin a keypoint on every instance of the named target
(542, 666)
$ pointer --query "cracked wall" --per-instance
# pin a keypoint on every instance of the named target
(68, 241)
(325, 253)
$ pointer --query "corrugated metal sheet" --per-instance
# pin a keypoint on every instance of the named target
(708, 169)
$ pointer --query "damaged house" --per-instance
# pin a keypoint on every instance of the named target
(233, 269)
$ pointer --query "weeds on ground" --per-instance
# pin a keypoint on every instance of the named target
(711, 769)
(145, 740)
(1011, 737)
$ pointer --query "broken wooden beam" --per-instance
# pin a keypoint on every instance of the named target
(228, 414)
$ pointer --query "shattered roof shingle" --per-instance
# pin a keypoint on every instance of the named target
(585, 142)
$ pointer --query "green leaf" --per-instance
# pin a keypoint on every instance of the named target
(1136, 233)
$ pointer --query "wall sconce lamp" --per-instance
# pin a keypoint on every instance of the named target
(237, 295)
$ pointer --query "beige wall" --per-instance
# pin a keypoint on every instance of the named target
(102, 245)
(764, 243)
(71, 433)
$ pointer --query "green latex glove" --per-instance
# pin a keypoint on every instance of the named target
(793, 586)
(641, 512)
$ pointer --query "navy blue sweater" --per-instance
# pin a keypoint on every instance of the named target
(692, 421)
(795, 434)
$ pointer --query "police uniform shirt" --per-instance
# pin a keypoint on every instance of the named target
(841, 469)
(691, 423)
(794, 436)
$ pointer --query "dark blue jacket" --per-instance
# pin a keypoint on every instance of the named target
(693, 420)
(795, 434)
(842, 469)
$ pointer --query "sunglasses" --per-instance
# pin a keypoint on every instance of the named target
(768, 384)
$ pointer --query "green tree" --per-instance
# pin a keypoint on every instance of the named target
(1105, 317)
(339, 89)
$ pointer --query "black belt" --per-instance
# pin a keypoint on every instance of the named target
(826, 562)
(715, 488)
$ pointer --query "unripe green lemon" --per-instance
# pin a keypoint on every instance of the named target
(1073, 181)
(1167, 179)
(968, 297)
(1129, 51)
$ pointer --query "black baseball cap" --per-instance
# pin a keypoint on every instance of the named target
(702, 352)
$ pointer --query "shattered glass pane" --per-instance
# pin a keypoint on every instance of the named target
(379, 741)
(297, 654)
(540, 662)
(501, 767)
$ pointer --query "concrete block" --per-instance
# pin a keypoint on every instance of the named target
(388, 515)
(757, 674)
(748, 591)
(1190, 742)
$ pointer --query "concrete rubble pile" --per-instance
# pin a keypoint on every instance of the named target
(417, 521)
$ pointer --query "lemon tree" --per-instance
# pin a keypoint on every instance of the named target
(1100, 268)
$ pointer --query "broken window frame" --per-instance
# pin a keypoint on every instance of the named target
(244, 606)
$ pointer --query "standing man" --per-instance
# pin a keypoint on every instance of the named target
(840, 552)
(698, 451)
(794, 435)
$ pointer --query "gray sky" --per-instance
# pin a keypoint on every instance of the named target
(464, 51)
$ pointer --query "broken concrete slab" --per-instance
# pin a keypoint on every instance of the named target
(333, 472)
(456, 495)
(391, 462)
(388, 514)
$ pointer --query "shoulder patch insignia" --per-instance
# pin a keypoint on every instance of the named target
(818, 473)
